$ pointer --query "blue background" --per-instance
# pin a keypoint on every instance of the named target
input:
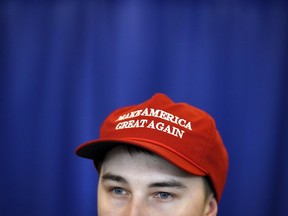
(66, 64)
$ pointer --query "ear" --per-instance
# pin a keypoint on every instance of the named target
(211, 206)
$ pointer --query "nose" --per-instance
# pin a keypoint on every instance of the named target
(136, 207)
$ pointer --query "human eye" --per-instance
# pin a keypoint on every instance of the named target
(164, 196)
(118, 191)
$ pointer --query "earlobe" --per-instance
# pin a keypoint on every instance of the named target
(211, 207)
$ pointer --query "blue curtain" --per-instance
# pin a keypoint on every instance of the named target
(66, 64)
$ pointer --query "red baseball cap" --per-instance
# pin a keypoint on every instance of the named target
(178, 132)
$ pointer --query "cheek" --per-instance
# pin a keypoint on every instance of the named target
(105, 212)
(179, 209)
(195, 208)
(191, 205)
(107, 205)
(102, 204)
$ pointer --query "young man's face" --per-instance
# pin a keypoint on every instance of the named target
(146, 185)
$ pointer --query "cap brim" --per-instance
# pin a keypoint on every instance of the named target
(94, 148)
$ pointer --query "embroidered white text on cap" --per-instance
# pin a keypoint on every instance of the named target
(158, 125)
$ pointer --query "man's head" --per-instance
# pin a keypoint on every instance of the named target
(134, 181)
(183, 136)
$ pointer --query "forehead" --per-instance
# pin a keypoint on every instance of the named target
(120, 159)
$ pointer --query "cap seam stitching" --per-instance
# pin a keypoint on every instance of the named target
(210, 133)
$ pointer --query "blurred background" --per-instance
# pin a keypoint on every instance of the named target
(66, 64)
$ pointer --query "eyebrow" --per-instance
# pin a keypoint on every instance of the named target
(111, 177)
(172, 183)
